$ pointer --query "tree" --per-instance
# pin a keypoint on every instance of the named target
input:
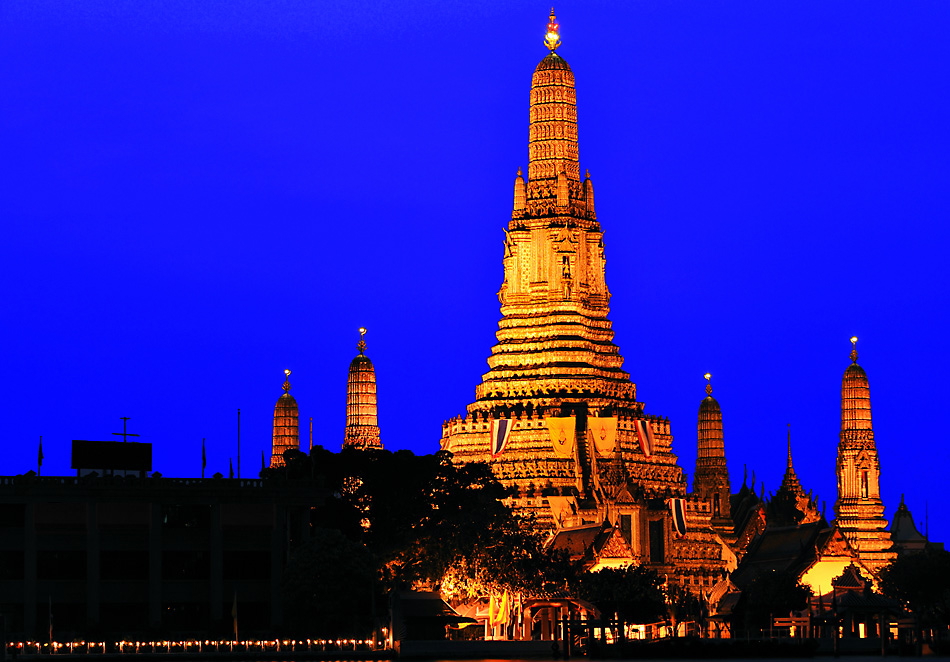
(634, 593)
(921, 583)
(770, 595)
(424, 519)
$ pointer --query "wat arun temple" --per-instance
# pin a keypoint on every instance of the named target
(558, 419)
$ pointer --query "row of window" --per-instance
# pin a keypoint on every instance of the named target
(71, 565)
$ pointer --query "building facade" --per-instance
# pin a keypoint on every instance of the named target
(146, 558)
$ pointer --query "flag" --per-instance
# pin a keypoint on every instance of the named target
(234, 616)
(562, 435)
(678, 508)
(230, 468)
(645, 436)
(39, 457)
(204, 457)
(492, 611)
(500, 431)
(504, 609)
(604, 432)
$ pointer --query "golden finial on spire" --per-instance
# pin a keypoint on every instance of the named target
(552, 39)
(854, 349)
(708, 384)
(287, 381)
(362, 343)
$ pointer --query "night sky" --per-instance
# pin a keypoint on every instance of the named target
(197, 195)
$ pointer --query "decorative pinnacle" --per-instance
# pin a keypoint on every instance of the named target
(519, 171)
(854, 349)
(287, 381)
(552, 39)
(789, 463)
(362, 343)
(708, 384)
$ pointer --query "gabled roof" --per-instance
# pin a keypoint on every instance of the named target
(782, 549)
(578, 540)
(851, 578)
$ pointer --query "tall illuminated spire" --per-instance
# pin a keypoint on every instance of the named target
(859, 509)
(286, 434)
(362, 426)
(711, 480)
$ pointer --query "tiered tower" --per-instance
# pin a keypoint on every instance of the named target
(362, 427)
(286, 425)
(791, 505)
(859, 509)
(555, 375)
(711, 481)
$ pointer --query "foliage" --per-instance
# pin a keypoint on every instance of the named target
(635, 593)
(684, 604)
(921, 583)
(327, 587)
(772, 594)
(425, 519)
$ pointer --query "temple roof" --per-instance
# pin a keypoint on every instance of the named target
(903, 529)
(783, 549)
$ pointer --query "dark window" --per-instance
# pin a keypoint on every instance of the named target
(864, 484)
(246, 565)
(126, 619)
(67, 565)
(656, 542)
(13, 615)
(129, 566)
(188, 616)
(11, 564)
(716, 504)
(626, 528)
(186, 516)
(185, 565)
(65, 619)
(251, 615)
(12, 515)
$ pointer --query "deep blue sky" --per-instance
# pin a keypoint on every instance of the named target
(197, 195)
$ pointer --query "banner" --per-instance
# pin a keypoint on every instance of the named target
(678, 509)
(499, 609)
(645, 436)
(500, 431)
(562, 435)
(604, 432)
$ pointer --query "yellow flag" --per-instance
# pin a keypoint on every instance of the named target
(504, 615)
(562, 435)
(492, 611)
(604, 433)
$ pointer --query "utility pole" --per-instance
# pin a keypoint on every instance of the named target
(239, 445)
